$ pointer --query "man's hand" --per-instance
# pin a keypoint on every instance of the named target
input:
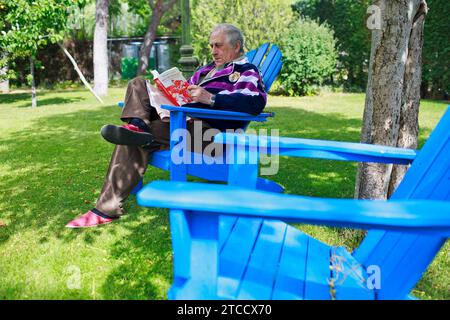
(199, 94)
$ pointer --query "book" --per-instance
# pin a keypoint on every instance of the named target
(173, 85)
(170, 89)
(157, 98)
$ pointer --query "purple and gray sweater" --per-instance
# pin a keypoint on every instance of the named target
(238, 87)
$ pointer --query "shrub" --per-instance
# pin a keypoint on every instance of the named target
(310, 56)
(436, 51)
(348, 20)
(259, 21)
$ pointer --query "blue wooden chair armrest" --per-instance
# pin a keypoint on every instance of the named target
(219, 114)
(402, 215)
(230, 241)
(216, 114)
(320, 149)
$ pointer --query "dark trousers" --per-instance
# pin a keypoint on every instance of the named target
(129, 163)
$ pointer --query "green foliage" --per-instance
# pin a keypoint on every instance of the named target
(348, 17)
(260, 21)
(139, 7)
(170, 21)
(26, 26)
(348, 20)
(436, 49)
(129, 67)
(127, 18)
(309, 55)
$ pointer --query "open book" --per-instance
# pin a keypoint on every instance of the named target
(171, 89)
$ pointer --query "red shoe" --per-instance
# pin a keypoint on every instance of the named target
(127, 134)
(89, 219)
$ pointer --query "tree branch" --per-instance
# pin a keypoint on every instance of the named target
(151, 4)
(80, 74)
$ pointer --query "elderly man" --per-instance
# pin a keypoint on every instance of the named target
(230, 83)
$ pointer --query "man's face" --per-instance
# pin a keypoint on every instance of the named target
(221, 50)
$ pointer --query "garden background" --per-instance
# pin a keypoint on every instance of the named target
(53, 160)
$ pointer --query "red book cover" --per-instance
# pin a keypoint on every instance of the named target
(173, 85)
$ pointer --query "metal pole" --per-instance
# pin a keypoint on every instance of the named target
(188, 62)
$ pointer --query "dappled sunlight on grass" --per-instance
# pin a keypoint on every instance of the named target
(52, 166)
(54, 174)
(323, 177)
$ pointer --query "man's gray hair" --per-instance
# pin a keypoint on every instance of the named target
(233, 34)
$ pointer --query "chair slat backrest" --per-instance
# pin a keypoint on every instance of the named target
(271, 59)
(259, 55)
(270, 66)
(251, 55)
(401, 257)
(272, 72)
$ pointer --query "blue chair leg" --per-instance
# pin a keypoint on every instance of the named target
(138, 187)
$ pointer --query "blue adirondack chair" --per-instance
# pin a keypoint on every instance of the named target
(269, 63)
(263, 257)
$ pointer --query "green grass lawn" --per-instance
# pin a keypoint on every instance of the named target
(52, 166)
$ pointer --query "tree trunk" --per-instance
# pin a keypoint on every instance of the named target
(392, 92)
(409, 116)
(101, 48)
(158, 10)
(33, 84)
(149, 38)
(4, 84)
